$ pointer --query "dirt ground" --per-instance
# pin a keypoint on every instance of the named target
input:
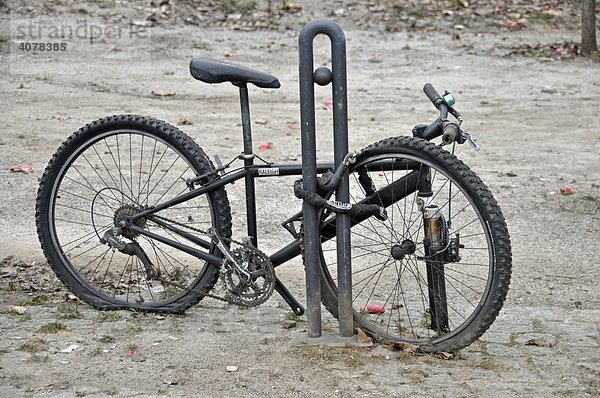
(535, 117)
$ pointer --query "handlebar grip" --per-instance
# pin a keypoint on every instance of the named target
(431, 93)
(451, 132)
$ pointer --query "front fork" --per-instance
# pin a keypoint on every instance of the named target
(434, 244)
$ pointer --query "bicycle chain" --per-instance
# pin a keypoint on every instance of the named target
(226, 239)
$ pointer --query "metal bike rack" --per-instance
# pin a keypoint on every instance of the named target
(309, 172)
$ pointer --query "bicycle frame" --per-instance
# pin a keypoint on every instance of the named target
(383, 197)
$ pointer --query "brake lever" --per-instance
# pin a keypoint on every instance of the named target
(471, 138)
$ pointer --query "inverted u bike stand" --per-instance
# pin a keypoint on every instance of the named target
(337, 77)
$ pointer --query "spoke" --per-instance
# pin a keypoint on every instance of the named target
(131, 166)
(117, 163)
(465, 285)
(84, 211)
(103, 254)
(394, 202)
(465, 274)
(89, 235)
(90, 186)
(368, 268)
(98, 265)
(107, 269)
(140, 170)
(104, 184)
(103, 164)
(370, 277)
(161, 178)
(376, 282)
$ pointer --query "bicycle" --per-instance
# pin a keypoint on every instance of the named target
(132, 214)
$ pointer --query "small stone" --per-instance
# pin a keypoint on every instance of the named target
(289, 324)
(70, 348)
(17, 309)
(231, 368)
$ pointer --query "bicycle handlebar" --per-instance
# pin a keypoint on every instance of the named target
(433, 95)
(441, 126)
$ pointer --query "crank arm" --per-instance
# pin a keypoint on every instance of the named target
(225, 250)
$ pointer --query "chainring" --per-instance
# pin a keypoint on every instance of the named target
(251, 281)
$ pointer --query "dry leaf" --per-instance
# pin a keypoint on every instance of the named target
(539, 343)
(444, 355)
(402, 346)
(362, 337)
(291, 6)
(160, 94)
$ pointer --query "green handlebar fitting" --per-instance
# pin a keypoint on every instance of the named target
(449, 99)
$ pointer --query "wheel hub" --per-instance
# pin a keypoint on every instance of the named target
(407, 246)
(125, 211)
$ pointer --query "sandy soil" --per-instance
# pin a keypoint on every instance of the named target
(535, 118)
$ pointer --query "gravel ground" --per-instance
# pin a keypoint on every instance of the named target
(534, 117)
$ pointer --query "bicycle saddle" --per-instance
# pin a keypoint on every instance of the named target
(210, 70)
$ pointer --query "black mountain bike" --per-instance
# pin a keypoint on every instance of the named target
(132, 214)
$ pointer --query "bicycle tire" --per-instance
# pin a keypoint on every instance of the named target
(120, 165)
(475, 287)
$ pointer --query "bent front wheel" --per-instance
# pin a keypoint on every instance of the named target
(436, 272)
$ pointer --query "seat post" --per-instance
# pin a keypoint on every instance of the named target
(247, 131)
(248, 161)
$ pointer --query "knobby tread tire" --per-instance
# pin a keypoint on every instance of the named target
(172, 136)
(493, 217)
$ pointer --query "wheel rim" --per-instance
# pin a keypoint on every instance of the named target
(396, 280)
(125, 171)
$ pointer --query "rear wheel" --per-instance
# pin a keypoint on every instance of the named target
(405, 288)
(114, 168)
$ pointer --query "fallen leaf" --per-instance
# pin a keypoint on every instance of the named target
(141, 23)
(186, 122)
(294, 127)
(445, 355)
(291, 6)
(230, 55)
(162, 94)
(539, 343)
(129, 353)
(259, 121)
(511, 174)
(402, 346)
(362, 337)
(327, 106)
(375, 59)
